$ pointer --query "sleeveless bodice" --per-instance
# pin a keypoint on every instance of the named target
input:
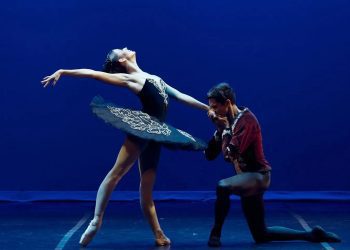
(154, 98)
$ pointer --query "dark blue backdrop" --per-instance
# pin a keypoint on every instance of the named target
(288, 61)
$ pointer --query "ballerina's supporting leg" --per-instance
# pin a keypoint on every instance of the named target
(127, 156)
(147, 165)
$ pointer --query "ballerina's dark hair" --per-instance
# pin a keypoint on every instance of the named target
(112, 65)
(221, 93)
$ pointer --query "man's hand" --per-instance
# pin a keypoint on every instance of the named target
(221, 122)
(237, 167)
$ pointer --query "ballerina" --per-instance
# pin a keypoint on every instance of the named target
(121, 70)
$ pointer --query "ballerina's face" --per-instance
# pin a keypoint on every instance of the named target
(125, 53)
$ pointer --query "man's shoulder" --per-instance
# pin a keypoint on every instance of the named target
(248, 114)
(249, 117)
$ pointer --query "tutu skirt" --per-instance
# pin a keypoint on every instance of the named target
(144, 126)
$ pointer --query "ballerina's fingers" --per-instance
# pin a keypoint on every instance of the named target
(46, 82)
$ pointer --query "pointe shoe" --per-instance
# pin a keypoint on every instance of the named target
(318, 234)
(161, 239)
(89, 233)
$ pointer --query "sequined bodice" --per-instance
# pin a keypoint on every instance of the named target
(154, 98)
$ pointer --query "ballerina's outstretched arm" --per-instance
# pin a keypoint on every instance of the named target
(189, 100)
(122, 80)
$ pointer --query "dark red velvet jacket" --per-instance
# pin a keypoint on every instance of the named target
(244, 144)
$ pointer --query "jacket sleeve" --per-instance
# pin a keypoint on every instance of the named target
(214, 147)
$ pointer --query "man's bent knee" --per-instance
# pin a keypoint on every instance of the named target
(222, 189)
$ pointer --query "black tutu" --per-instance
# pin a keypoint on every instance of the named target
(142, 125)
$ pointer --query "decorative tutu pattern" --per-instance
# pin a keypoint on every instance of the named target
(144, 126)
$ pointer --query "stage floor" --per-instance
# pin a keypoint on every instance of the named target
(58, 225)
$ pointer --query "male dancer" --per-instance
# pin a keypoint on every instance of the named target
(238, 137)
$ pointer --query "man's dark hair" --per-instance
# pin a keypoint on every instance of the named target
(112, 65)
(221, 93)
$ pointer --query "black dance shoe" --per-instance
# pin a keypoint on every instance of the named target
(318, 234)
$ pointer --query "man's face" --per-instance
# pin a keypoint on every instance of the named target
(218, 108)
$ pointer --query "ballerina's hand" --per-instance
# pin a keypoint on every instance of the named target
(221, 122)
(211, 114)
(52, 79)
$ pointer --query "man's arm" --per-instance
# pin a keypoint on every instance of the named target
(214, 147)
